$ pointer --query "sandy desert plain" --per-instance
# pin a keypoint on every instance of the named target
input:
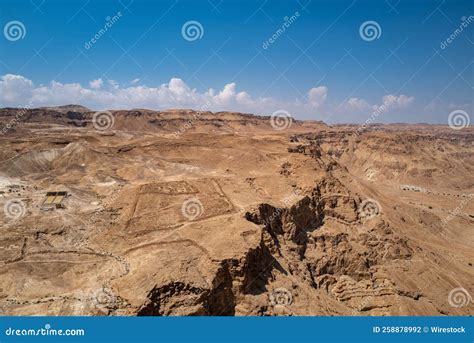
(184, 213)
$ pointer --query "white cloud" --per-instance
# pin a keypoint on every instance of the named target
(389, 109)
(392, 102)
(134, 81)
(226, 95)
(317, 96)
(113, 83)
(16, 90)
(389, 103)
(357, 104)
(96, 84)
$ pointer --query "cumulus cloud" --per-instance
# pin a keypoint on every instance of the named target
(357, 105)
(396, 102)
(113, 84)
(96, 84)
(16, 90)
(317, 96)
(359, 110)
(389, 103)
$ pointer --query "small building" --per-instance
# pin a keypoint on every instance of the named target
(54, 200)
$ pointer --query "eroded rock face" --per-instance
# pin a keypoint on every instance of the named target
(323, 259)
(233, 277)
(184, 299)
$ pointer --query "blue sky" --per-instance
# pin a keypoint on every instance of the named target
(319, 67)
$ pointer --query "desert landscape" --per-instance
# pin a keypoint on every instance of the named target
(182, 212)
